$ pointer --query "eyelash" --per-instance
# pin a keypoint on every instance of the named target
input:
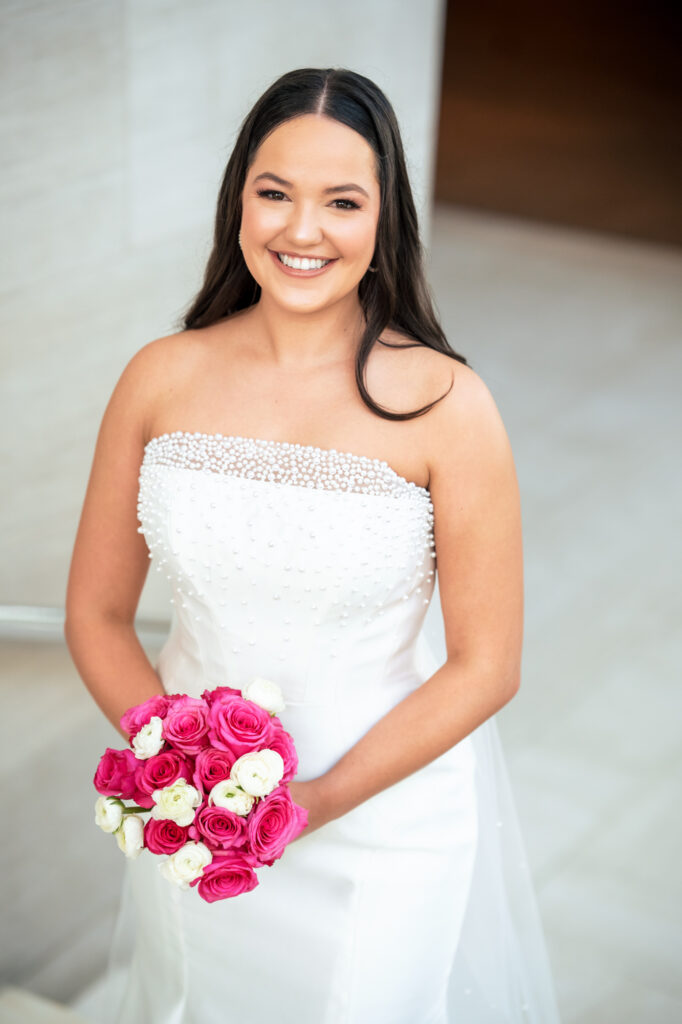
(273, 191)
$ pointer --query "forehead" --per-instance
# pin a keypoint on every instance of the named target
(319, 147)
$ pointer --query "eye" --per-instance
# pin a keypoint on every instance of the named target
(351, 205)
(272, 193)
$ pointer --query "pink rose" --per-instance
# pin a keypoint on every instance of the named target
(186, 725)
(143, 799)
(283, 743)
(273, 823)
(219, 827)
(239, 725)
(134, 718)
(212, 766)
(161, 770)
(229, 874)
(163, 835)
(115, 775)
(211, 696)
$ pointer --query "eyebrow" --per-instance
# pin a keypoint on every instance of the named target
(349, 187)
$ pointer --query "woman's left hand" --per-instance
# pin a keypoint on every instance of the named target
(308, 795)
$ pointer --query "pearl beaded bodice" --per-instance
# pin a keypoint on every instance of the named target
(309, 566)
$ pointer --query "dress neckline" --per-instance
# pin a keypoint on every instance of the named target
(363, 459)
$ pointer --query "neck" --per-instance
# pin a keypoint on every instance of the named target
(306, 340)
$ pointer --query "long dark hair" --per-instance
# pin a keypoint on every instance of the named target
(397, 296)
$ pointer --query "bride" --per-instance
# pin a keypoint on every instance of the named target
(300, 460)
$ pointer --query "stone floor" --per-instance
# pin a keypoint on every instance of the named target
(578, 339)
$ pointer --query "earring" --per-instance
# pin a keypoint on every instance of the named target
(239, 238)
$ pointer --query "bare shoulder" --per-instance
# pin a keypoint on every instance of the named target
(160, 369)
(462, 437)
(406, 374)
(468, 444)
(464, 429)
(160, 361)
(469, 400)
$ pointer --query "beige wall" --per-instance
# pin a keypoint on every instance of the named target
(117, 119)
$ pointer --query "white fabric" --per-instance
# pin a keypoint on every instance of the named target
(315, 568)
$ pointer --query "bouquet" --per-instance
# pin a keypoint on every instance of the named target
(212, 772)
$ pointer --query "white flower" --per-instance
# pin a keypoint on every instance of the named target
(129, 836)
(148, 741)
(176, 802)
(258, 772)
(186, 864)
(108, 813)
(228, 794)
(265, 693)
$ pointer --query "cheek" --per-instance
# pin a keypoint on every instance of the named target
(260, 221)
(355, 238)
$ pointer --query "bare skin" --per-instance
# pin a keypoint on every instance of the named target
(224, 385)
(283, 370)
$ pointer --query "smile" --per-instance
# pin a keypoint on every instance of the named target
(300, 266)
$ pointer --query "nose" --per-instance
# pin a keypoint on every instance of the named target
(303, 227)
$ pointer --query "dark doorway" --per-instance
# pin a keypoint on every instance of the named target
(567, 113)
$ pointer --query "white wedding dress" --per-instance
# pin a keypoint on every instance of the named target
(315, 568)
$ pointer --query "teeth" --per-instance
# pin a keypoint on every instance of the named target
(301, 264)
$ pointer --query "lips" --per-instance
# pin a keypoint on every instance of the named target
(294, 272)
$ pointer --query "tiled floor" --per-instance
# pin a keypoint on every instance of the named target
(578, 339)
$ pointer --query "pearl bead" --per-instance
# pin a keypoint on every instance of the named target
(278, 461)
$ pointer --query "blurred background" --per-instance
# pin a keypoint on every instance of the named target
(544, 150)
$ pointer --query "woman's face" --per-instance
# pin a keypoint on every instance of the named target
(311, 193)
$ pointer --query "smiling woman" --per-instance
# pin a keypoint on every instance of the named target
(282, 231)
(301, 465)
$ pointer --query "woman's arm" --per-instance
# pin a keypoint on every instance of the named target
(477, 527)
(110, 558)
(112, 663)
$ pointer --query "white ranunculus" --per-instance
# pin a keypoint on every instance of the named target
(108, 813)
(229, 795)
(130, 835)
(186, 864)
(258, 772)
(177, 802)
(265, 693)
(148, 741)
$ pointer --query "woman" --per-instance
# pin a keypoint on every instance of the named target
(298, 456)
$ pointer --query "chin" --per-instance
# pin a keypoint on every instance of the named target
(297, 301)
(311, 306)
